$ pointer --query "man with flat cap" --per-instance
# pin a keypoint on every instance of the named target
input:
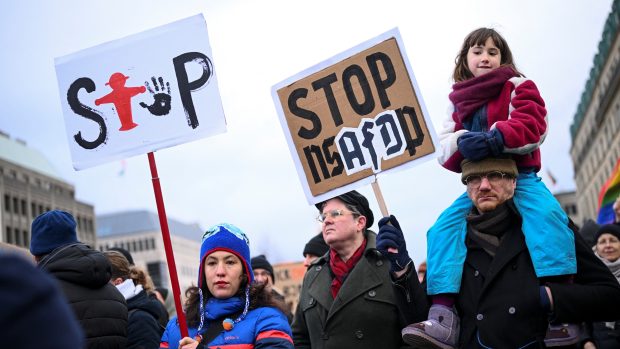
(501, 302)
(349, 295)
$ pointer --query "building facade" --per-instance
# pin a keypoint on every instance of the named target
(139, 233)
(289, 277)
(568, 201)
(595, 131)
(29, 186)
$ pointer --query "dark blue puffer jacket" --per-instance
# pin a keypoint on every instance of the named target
(143, 329)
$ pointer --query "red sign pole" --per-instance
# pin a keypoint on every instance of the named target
(165, 233)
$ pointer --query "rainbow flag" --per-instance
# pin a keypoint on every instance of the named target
(607, 196)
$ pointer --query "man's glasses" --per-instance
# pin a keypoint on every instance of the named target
(493, 177)
(333, 214)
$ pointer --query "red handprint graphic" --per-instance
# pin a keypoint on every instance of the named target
(121, 98)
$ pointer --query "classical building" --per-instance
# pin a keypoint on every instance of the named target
(29, 186)
(595, 131)
(139, 232)
(568, 201)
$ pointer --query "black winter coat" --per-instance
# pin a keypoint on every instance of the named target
(143, 329)
(84, 276)
(499, 302)
(163, 316)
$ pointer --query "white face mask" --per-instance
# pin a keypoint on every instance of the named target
(128, 289)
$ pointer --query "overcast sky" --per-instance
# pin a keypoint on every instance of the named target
(246, 176)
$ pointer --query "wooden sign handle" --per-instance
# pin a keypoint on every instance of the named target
(382, 206)
(379, 196)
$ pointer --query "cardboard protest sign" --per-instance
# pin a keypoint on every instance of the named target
(353, 116)
(141, 93)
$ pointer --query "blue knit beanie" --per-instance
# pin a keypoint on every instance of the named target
(225, 237)
(51, 230)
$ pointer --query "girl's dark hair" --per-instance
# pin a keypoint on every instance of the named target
(259, 297)
(479, 37)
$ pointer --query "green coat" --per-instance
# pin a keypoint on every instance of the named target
(365, 312)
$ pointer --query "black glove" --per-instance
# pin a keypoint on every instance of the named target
(391, 236)
(479, 145)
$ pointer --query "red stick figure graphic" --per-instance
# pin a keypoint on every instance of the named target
(121, 98)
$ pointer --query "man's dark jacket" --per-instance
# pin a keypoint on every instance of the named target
(500, 304)
(84, 276)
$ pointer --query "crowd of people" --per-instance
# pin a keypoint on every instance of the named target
(506, 267)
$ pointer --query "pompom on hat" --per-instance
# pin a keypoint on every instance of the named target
(505, 165)
(229, 238)
(51, 230)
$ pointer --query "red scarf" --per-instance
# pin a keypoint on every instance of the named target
(341, 269)
(469, 95)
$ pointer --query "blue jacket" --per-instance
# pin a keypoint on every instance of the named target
(263, 327)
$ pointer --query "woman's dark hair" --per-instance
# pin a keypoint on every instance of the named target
(259, 297)
(479, 37)
(121, 268)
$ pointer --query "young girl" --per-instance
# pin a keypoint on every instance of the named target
(497, 113)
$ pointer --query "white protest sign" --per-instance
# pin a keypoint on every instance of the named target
(353, 116)
(141, 93)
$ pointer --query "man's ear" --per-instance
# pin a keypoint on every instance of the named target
(116, 281)
(361, 222)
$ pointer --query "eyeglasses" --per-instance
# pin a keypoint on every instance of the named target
(334, 214)
(493, 177)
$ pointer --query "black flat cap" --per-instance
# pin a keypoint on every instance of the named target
(357, 200)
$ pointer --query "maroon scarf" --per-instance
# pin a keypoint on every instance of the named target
(341, 269)
(469, 95)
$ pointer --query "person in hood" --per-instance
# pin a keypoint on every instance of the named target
(227, 309)
(143, 329)
(84, 276)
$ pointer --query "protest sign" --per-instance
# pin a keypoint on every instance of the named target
(141, 93)
(353, 116)
(135, 95)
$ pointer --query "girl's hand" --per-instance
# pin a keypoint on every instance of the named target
(476, 146)
(188, 343)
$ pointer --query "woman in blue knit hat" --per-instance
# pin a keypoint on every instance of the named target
(227, 308)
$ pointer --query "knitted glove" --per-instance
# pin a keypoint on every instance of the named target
(479, 145)
(391, 236)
